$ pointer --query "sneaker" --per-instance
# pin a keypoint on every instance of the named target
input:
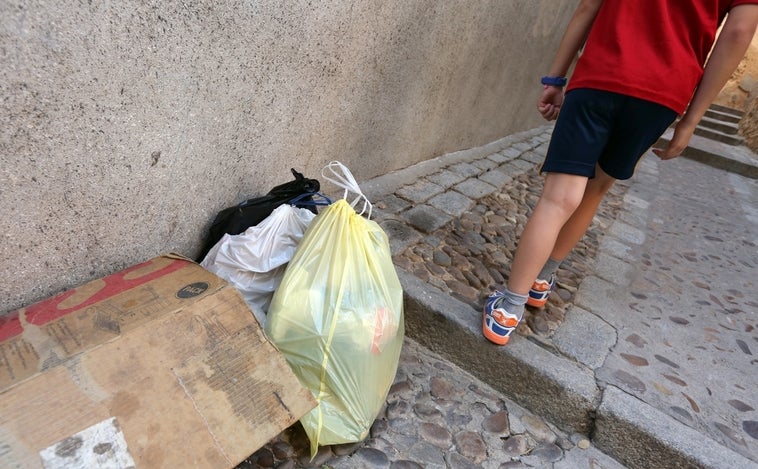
(540, 291)
(497, 324)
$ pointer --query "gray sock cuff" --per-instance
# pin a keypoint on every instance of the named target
(514, 298)
(550, 268)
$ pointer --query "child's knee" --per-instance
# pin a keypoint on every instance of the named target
(566, 201)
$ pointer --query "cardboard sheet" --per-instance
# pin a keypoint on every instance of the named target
(160, 365)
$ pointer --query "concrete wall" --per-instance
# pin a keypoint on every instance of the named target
(125, 126)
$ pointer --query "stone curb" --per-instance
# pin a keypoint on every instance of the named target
(557, 388)
(548, 379)
(640, 435)
(560, 389)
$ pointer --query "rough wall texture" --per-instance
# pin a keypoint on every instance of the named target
(125, 126)
(749, 123)
(741, 92)
(743, 81)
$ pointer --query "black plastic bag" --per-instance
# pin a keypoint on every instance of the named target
(234, 220)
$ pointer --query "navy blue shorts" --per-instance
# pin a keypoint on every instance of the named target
(608, 129)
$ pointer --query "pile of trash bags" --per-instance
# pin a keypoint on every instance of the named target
(324, 287)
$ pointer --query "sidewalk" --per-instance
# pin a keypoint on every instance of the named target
(651, 353)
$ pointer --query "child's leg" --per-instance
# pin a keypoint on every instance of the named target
(573, 230)
(561, 196)
(592, 131)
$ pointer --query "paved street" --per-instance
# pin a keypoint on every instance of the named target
(645, 352)
(438, 416)
(686, 319)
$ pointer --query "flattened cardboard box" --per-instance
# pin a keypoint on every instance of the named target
(160, 365)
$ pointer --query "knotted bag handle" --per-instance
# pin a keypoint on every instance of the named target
(341, 177)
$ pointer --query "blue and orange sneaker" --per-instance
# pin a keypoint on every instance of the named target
(540, 291)
(497, 323)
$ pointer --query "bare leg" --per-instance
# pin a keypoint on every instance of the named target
(581, 219)
(561, 196)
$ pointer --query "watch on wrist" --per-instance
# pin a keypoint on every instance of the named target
(554, 81)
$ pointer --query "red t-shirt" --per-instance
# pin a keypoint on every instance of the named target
(651, 49)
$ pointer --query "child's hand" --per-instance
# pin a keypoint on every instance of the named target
(549, 104)
(679, 141)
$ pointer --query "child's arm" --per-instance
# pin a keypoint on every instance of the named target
(730, 48)
(576, 32)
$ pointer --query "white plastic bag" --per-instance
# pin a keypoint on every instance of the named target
(254, 261)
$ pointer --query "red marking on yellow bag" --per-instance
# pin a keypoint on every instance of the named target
(382, 321)
(383, 330)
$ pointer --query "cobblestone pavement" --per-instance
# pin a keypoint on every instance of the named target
(472, 254)
(675, 281)
(645, 344)
(439, 416)
(687, 317)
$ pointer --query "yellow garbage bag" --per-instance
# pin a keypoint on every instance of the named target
(337, 317)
